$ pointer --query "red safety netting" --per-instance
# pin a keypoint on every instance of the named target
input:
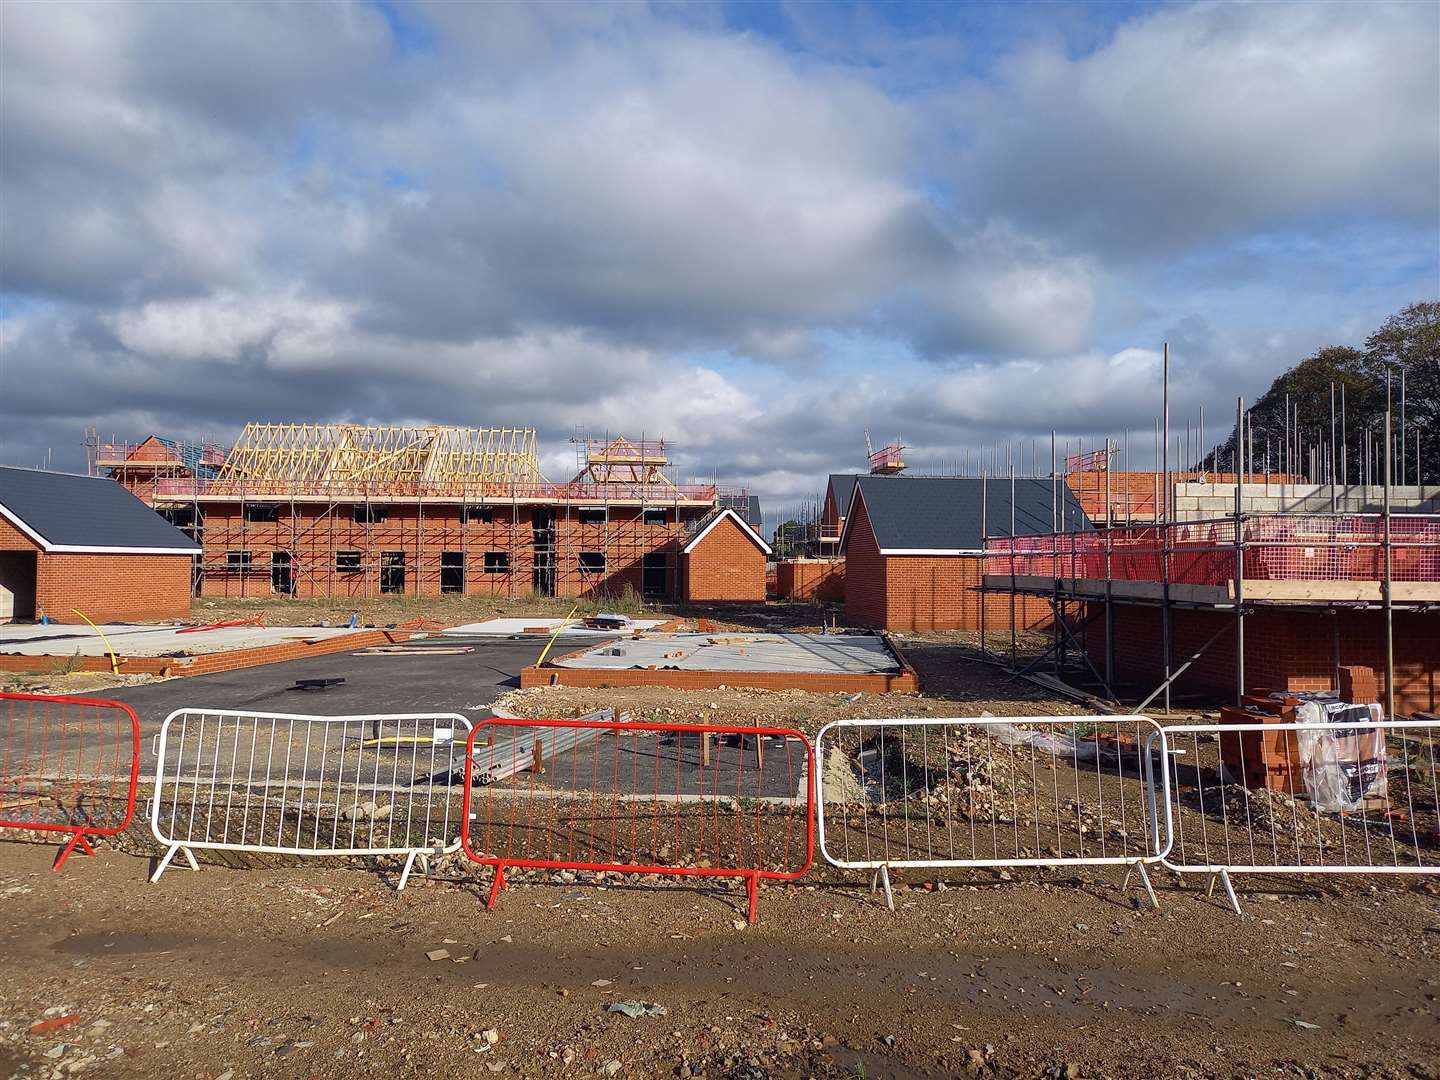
(1272, 548)
(67, 765)
(639, 798)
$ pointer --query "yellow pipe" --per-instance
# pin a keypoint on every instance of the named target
(563, 623)
(114, 663)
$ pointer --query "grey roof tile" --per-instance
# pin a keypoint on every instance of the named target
(944, 513)
(85, 512)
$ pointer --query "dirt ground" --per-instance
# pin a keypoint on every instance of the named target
(323, 972)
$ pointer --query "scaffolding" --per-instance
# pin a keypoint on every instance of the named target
(344, 510)
(1228, 567)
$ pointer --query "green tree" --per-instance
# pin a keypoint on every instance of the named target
(1296, 409)
(1409, 342)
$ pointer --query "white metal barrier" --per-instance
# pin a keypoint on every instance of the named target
(990, 792)
(1338, 797)
(288, 784)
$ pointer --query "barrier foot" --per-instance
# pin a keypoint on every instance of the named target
(882, 876)
(1229, 890)
(496, 886)
(410, 865)
(77, 840)
(169, 855)
(1144, 880)
(752, 891)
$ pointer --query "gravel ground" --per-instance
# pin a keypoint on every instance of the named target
(306, 972)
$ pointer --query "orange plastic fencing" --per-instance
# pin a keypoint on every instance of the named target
(692, 800)
(67, 765)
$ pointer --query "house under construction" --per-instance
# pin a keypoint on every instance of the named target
(342, 510)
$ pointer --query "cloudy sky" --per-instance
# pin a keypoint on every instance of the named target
(756, 230)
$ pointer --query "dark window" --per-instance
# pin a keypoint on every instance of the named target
(591, 517)
(497, 562)
(282, 580)
(262, 512)
(479, 515)
(452, 571)
(392, 571)
(237, 561)
(347, 562)
(592, 562)
(655, 574)
(656, 517)
(370, 515)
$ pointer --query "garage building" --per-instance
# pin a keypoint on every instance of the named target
(73, 545)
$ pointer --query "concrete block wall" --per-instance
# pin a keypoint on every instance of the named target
(1197, 500)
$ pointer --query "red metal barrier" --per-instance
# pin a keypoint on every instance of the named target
(696, 800)
(68, 764)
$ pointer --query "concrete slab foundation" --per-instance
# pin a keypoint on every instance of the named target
(836, 663)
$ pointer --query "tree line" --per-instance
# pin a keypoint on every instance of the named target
(1290, 426)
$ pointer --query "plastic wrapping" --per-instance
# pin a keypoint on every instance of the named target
(1344, 763)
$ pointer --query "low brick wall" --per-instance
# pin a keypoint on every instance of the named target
(810, 579)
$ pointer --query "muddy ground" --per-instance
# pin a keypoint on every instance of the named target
(302, 972)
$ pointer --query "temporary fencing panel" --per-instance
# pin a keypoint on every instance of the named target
(638, 798)
(992, 791)
(1349, 794)
(68, 765)
(309, 785)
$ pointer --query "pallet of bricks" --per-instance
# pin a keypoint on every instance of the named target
(1274, 759)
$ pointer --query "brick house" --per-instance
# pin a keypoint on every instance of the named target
(839, 489)
(913, 548)
(723, 561)
(73, 544)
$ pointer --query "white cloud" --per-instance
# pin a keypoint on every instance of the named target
(1201, 121)
(643, 222)
(286, 328)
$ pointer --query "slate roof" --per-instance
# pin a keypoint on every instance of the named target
(942, 514)
(66, 512)
(747, 506)
(843, 486)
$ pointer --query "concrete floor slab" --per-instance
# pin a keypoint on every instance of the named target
(23, 639)
(507, 627)
(833, 654)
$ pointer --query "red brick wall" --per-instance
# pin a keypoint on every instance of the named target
(1284, 650)
(810, 579)
(864, 574)
(726, 566)
(12, 539)
(313, 536)
(942, 592)
(107, 588)
(112, 588)
(924, 592)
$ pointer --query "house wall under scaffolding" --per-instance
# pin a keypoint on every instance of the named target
(1212, 609)
(366, 549)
